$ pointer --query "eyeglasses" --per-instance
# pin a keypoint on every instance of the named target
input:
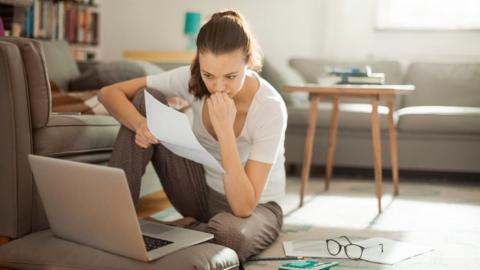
(353, 251)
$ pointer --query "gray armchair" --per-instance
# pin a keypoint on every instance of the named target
(29, 126)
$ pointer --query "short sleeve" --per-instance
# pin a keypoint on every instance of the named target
(269, 134)
(172, 83)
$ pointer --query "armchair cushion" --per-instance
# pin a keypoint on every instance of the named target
(42, 250)
(67, 134)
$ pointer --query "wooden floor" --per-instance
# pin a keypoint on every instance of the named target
(152, 203)
(3, 240)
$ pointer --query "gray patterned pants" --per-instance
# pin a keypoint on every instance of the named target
(184, 184)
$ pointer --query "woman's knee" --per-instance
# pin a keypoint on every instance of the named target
(229, 232)
(139, 100)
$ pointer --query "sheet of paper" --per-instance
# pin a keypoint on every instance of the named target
(393, 251)
(173, 130)
(309, 248)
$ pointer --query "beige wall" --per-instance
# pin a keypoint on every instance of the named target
(320, 28)
(349, 33)
(283, 28)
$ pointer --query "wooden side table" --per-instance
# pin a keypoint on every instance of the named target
(335, 92)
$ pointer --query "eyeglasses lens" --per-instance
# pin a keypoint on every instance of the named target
(333, 247)
(353, 251)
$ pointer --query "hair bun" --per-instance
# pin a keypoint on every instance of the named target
(225, 13)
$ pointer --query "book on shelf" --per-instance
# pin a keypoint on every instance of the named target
(76, 21)
(373, 78)
(349, 71)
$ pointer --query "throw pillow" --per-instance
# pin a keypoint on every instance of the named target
(279, 79)
(109, 73)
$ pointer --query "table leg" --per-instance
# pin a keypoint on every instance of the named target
(377, 151)
(307, 157)
(332, 140)
(393, 144)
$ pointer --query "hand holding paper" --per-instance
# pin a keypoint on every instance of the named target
(173, 130)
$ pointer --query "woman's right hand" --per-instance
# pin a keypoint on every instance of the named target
(143, 137)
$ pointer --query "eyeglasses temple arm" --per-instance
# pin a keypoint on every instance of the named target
(343, 236)
(381, 246)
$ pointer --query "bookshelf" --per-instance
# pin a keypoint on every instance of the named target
(76, 21)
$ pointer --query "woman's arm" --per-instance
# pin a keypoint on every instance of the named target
(117, 100)
(243, 186)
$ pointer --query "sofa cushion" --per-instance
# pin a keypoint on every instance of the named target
(279, 80)
(108, 73)
(311, 69)
(351, 115)
(443, 84)
(67, 134)
(42, 250)
(61, 66)
(445, 119)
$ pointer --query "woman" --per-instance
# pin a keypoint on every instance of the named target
(238, 117)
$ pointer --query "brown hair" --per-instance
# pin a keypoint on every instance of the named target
(226, 31)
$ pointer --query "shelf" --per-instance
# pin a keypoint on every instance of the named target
(175, 57)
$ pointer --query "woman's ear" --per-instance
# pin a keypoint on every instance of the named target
(249, 61)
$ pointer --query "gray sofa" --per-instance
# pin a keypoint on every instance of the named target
(438, 126)
(29, 126)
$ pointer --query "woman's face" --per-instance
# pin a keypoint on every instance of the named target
(224, 72)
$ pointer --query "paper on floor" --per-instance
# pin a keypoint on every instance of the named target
(173, 130)
(393, 251)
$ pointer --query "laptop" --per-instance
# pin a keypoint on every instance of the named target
(91, 205)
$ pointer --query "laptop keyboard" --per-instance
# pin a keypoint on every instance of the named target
(154, 243)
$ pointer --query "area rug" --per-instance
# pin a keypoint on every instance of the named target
(443, 216)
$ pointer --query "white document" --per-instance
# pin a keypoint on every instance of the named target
(309, 248)
(172, 129)
(393, 251)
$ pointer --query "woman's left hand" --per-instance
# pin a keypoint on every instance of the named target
(222, 112)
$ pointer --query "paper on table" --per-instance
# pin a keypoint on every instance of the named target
(393, 251)
(173, 130)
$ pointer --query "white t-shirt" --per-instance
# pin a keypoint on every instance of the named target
(262, 137)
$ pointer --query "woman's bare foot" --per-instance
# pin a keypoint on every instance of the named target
(183, 222)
